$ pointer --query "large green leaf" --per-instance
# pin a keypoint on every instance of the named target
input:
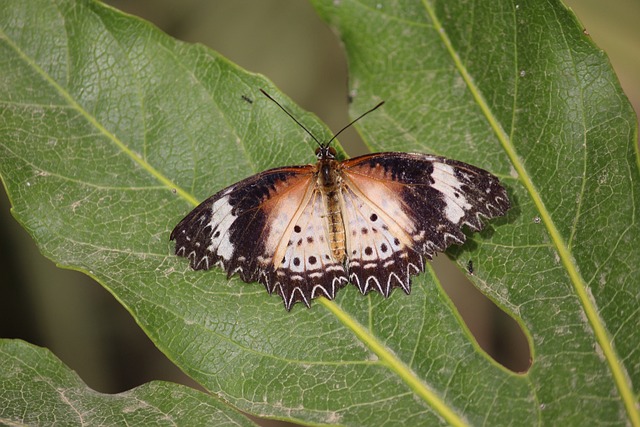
(112, 131)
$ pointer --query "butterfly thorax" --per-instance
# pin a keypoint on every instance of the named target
(329, 182)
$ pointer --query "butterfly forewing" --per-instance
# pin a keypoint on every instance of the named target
(234, 228)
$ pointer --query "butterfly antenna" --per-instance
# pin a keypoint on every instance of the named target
(352, 122)
(307, 130)
(291, 115)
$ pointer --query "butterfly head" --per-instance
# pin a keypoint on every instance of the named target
(325, 152)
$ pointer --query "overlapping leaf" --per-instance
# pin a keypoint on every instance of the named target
(37, 389)
(112, 131)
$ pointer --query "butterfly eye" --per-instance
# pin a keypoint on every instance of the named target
(332, 152)
(318, 151)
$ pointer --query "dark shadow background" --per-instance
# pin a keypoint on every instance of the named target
(83, 324)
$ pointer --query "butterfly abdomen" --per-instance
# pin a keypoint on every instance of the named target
(329, 182)
(336, 225)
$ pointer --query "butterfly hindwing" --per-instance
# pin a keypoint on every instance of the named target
(379, 248)
(307, 268)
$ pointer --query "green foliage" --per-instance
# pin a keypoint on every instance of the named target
(111, 132)
(37, 389)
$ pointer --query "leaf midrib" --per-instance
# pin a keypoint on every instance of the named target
(580, 286)
(394, 364)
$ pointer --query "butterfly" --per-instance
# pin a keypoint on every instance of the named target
(306, 231)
